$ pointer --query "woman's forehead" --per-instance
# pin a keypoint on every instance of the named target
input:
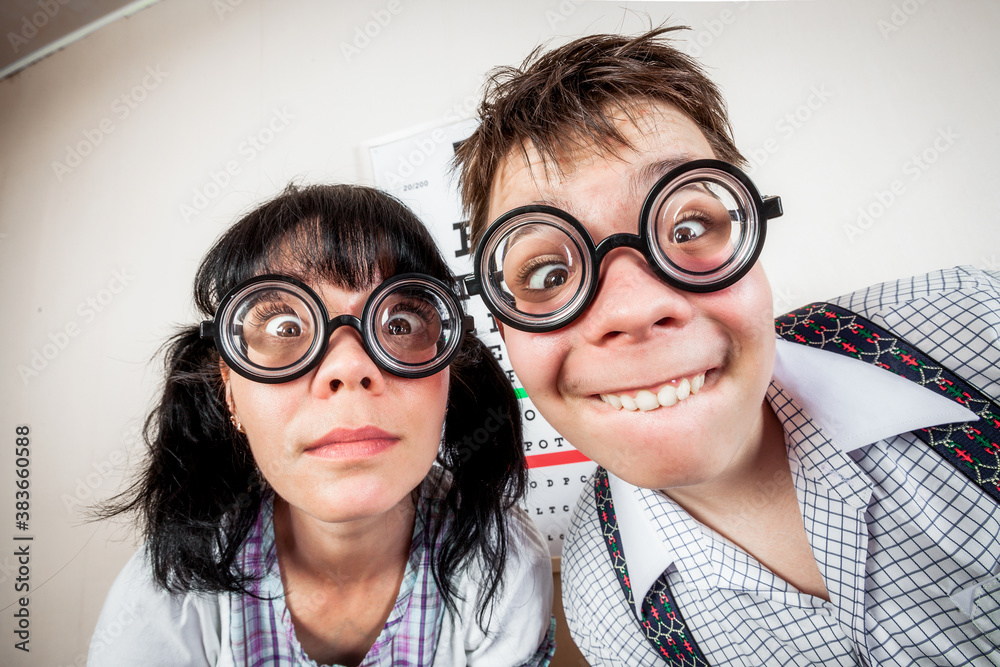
(306, 260)
(318, 278)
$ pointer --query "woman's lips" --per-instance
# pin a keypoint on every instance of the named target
(342, 443)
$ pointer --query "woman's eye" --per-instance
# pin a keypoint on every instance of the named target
(548, 276)
(404, 324)
(688, 230)
(284, 326)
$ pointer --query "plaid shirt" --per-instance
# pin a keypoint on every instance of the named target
(908, 548)
(261, 629)
(143, 624)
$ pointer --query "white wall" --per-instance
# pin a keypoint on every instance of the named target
(879, 98)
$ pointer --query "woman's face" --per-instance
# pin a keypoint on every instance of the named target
(347, 440)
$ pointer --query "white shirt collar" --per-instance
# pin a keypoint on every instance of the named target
(826, 385)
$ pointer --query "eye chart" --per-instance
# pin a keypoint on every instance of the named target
(416, 167)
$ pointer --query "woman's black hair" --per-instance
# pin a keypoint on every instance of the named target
(200, 492)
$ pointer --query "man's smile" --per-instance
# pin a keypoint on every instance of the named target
(665, 395)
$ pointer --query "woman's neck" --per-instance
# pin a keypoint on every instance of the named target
(341, 580)
(342, 553)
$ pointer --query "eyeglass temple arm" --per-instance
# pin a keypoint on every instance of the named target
(207, 329)
(472, 286)
(772, 207)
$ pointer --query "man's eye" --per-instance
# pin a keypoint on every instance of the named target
(548, 276)
(284, 326)
(688, 230)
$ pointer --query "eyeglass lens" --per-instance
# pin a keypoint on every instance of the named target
(698, 227)
(412, 325)
(539, 265)
(274, 327)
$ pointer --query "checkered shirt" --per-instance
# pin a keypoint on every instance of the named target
(909, 549)
(262, 631)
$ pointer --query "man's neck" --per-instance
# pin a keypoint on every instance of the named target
(755, 506)
(758, 472)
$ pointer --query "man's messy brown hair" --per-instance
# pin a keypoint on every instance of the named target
(568, 97)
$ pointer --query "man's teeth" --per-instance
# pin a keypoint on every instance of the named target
(646, 400)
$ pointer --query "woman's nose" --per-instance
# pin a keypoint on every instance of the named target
(346, 366)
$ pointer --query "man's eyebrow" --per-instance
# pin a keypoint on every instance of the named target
(519, 233)
(645, 177)
(639, 182)
(552, 201)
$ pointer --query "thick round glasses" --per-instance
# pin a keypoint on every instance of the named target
(274, 328)
(701, 228)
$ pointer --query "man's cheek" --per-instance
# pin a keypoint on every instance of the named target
(528, 359)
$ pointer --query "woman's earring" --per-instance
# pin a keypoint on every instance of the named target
(231, 404)
(236, 423)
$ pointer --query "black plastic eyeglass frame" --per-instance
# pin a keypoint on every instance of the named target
(765, 208)
(326, 325)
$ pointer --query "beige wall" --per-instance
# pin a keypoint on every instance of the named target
(836, 100)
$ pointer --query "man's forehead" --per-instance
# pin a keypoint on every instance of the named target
(548, 176)
(657, 137)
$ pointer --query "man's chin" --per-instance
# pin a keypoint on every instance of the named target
(659, 471)
(660, 480)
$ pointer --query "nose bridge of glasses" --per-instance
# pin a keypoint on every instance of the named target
(622, 240)
(351, 321)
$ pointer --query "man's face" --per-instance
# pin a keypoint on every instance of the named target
(639, 333)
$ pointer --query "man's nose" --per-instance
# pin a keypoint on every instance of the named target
(632, 301)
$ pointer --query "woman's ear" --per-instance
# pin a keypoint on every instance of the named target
(500, 327)
(230, 402)
(224, 371)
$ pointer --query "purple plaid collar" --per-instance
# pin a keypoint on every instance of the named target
(261, 629)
